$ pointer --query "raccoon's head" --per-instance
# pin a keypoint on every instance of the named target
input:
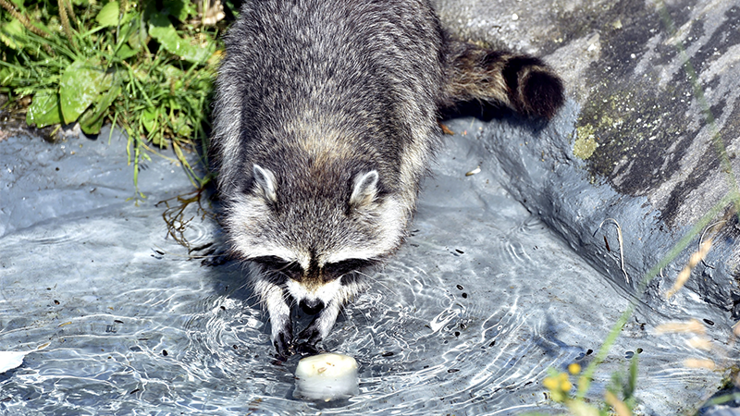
(313, 231)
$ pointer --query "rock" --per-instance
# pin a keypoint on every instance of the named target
(649, 138)
(660, 137)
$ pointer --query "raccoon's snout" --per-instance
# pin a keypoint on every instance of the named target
(311, 306)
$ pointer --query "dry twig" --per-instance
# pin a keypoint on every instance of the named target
(621, 245)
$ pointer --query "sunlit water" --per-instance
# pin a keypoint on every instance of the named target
(467, 318)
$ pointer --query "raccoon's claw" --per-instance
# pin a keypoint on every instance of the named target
(284, 344)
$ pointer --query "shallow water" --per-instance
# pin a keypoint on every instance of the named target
(467, 318)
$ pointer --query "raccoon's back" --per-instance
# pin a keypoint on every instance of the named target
(366, 74)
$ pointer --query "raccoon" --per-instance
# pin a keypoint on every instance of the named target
(326, 121)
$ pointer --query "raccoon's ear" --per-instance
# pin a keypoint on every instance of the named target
(365, 189)
(265, 181)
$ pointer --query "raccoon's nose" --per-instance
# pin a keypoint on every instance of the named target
(311, 307)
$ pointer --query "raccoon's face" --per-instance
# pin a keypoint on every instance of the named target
(313, 234)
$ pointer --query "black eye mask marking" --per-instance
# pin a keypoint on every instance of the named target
(277, 266)
(341, 268)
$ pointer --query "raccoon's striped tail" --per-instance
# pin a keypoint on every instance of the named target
(522, 82)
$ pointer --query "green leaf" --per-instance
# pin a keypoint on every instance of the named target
(131, 30)
(6, 76)
(162, 30)
(149, 119)
(13, 34)
(108, 15)
(173, 104)
(175, 77)
(181, 127)
(92, 120)
(81, 85)
(180, 9)
(173, 72)
(90, 124)
(233, 6)
(44, 110)
(125, 52)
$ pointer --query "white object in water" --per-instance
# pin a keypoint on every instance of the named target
(473, 172)
(10, 360)
(326, 377)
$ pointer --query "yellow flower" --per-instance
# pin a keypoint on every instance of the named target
(550, 383)
(566, 386)
(574, 368)
(559, 386)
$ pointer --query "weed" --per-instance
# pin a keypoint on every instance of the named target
(146, 67)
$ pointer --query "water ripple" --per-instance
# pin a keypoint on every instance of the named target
(465, 322)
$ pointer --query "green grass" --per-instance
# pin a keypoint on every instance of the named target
(146, 67)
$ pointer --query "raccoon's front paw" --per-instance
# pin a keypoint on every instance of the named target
(312, 338)
(283, 342)
(305, 348)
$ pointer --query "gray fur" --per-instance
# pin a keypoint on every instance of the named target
(326, 122)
